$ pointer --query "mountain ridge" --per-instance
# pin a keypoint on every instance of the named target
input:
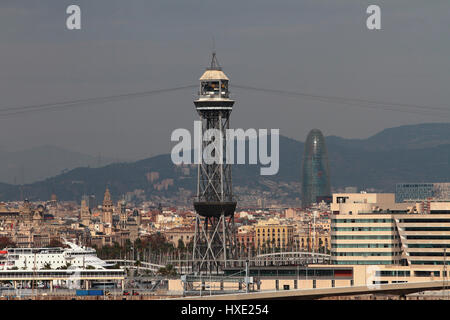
(369, 165)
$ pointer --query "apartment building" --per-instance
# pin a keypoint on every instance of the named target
(321, 242)
(274, 234)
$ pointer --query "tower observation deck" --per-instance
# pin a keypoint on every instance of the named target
(215, 237)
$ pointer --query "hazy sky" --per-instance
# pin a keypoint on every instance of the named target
(318, 47)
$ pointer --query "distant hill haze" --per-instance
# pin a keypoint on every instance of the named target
(399, 138)
(413, 153)
(30, 165)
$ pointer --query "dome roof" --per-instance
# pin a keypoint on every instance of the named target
(213, 75)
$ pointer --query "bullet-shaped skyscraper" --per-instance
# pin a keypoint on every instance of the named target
(315, 169)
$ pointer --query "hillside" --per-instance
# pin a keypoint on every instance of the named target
(404, 154)
(399, 138)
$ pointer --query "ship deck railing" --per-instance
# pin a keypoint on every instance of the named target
(85, 274)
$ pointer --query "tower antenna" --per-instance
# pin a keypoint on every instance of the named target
(214, 62)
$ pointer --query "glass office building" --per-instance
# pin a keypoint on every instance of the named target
(315, 169)
(422, 191)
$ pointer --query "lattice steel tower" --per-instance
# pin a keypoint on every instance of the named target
(215, 237)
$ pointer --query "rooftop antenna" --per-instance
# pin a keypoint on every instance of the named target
(214, 62)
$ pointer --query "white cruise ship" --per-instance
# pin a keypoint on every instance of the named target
(74, 257)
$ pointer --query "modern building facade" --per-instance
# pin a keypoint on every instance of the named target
(364, 232)
(315, 169)
(422, 191)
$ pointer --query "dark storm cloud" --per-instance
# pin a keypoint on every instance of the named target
(318, 47)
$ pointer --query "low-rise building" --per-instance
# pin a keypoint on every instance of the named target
(246, 240)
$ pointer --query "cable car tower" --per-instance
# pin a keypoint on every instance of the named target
(215, 237)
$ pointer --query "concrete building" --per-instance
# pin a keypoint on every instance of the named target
(375, 234)
(246, 240)
(308, 242)
(291, 213)
(360, 238)
(353, 203)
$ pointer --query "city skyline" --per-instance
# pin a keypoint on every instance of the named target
(105, 195)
